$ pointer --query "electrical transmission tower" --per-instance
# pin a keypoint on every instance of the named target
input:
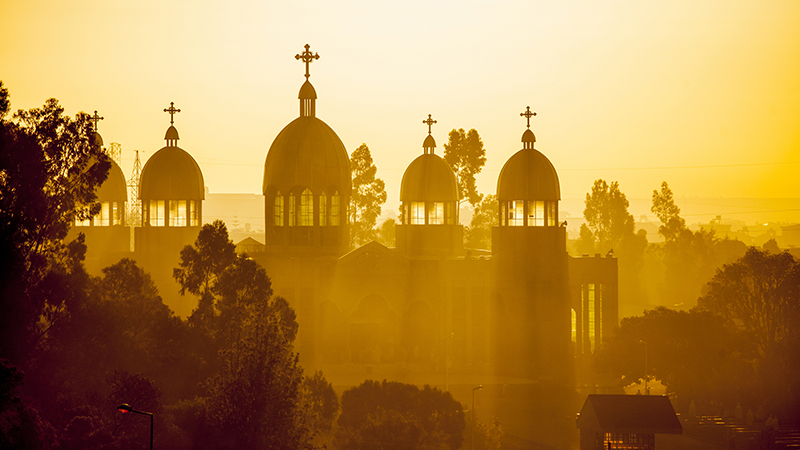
(114, 151)
(135, 203)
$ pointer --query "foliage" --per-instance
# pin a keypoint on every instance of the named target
(368, 194)
(760, 293)
(585, 244)
(201, 266)
(465, 153)
(49, 170)
(322, 405)
(484, 217)
(695, 353)
(20, 424)
(386, 232)
(607, 215)
(487, 435)
(664, 207)
(392, 415)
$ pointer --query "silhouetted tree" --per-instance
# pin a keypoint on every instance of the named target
(322, 405)
(49, 169)
(696, 354)
(201, 266)
(368, 194)
(771, 246)
(20, 424)
(392, 415)
(387, 232)
(484, 217)
(585, 244)
(612, 228)
(465, 153)
(668, 213)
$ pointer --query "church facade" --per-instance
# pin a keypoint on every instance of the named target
(527, 310)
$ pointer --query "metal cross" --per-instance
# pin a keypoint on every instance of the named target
(307, 57)
(171, 110)
(95, 118)
(528, 114)
(429, 122)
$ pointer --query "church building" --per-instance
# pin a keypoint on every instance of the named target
(527, 310)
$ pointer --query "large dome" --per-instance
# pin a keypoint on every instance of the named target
(528, 175)
(429, 179)
(114, 189)
(307, 152)
(172, 174)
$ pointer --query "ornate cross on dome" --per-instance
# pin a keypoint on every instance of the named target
(528, 114)
(429, 121)
(307, 57)
(95, 118)
(171, 110)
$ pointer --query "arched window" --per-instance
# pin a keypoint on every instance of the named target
(194, 213)
(306, 209)
(336, 209)
(536, 213)
(435, 213)
(323, 210)
(292, 210)
(157, 213)
(417, 213)
(277, 210)
(516, 213)
(177, 213)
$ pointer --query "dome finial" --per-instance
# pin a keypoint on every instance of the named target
(95, 119)
(528, 114)
(429, 144)
(307, 57)
(171, 110)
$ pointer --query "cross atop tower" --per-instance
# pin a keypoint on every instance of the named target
(307, 57)
(171, 110)
(528, 114)
(429, 121)
(95, 118)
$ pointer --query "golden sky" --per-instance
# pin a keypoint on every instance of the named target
(703, 94)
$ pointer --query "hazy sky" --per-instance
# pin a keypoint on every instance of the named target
(703, 94)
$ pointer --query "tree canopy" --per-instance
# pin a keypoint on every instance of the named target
(668, 213)
(369, 193)
(484, 217)
(465, 153)
(393, 415)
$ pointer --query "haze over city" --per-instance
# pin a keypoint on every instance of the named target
(702, 95)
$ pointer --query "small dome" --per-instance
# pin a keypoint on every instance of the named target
(429, 142)
(528, 136)
(429, 179)
(171, 174)
(97, 140)
(307, 91)
(114, 189)
(172, 134)
(528, 175)
(307, 152)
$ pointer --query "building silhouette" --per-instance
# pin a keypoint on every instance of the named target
(526, 310)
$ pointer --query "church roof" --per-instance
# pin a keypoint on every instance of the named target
(114, 189)
(307, 152)
(629, 414)
(429, 179)
(171, 174)
(528, 175)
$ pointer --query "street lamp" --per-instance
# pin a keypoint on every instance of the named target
(646, 391)
(446, 363)
(126, 408)
(476, 388)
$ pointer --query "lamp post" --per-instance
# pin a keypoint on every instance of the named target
(646, 391)
(476, 388)
(126, 408)
(446, 363)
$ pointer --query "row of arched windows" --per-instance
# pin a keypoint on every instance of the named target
(172, 213)
(111, 213)
(531, 213)
(298, 210)
(429, 213)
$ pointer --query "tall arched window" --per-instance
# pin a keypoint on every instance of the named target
(306, 209)
(435, 213)
(292, 210)
(277, 210)
(323, 210)
(177, 213)
(417, 213)
(336, 209)
(516, 213)
(157, 213)
(536, 213)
